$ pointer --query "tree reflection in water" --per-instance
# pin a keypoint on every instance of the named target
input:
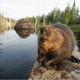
(1, 51)
(2, 30)
(14, 57)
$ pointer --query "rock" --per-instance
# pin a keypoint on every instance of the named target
(23, 24)
(24, 28)
(68, 70)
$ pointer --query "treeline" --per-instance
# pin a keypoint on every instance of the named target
(69, 16)
(6, 23)
(1, 21)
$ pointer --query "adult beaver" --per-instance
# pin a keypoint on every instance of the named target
(55, 44)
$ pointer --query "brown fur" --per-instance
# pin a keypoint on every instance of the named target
(55, 44)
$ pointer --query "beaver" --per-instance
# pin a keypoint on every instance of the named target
(55, 44)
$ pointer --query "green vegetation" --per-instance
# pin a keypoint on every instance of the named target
(74, 27)
(69, 16)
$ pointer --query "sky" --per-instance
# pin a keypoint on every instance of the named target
(17, 9)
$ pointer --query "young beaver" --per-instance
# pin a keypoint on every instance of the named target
(55, 44)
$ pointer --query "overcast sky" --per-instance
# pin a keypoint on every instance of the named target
(17, 9)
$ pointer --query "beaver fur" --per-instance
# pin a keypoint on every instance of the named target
(55, 44)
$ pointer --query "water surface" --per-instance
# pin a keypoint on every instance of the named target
(17, 55)
(18, 52)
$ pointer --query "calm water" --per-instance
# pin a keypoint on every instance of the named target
(17, 55)
(18, 52)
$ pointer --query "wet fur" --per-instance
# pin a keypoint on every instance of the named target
(57, 44)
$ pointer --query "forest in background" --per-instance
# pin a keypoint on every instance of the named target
(6, 23)
(70, 16)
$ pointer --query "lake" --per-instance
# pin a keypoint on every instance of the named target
(17, 54)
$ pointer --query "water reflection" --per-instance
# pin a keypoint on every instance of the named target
(2, 30)
(17, 55)
(23, 33)
(1, 51)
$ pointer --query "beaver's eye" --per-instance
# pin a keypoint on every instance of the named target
(43, 29)
(43, 39)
